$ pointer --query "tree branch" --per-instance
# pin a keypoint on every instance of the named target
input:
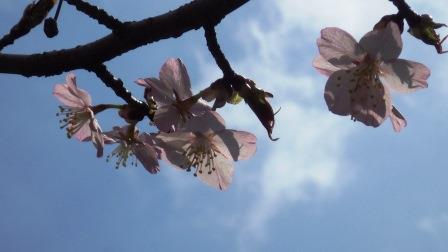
(96, 13)
(405, 11)
(117, 85)
(133, 35)
(32, 16)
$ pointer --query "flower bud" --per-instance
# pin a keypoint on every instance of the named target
(424, 30)
(256, 99)
(51, 27)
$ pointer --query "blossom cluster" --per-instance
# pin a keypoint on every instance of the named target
(189, 136)
(362, 75)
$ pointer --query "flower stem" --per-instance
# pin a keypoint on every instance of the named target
(101, 107)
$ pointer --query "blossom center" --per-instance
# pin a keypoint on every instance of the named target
(122, 153)
(73, 118)
(200, 156)
(367, 73)
(365, 86)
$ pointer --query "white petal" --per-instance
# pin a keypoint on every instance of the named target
(405, 76)
(163, 94)
(384, 44)
(397, 119)
(323, 66)
(167, 118)
(371, 103)
(175, 77)
(222, 176)
(339, 48)
(174, 145)
(337, 91)
(236, 145)
(208, 121)
(62, 93)
(146, 154)
(70, 95)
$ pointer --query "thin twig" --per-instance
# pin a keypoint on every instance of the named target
(215, 50)
(405, 11)
(117, 86)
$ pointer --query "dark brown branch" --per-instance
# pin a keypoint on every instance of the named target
(133, 35)
(215, 50)
(96, 13)
(118, 86)
(32, 16)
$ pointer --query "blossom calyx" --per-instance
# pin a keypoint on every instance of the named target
(390, 18)
(132, 114)
(219, 91)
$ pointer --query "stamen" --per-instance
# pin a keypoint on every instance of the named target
(200, 157)
(73, 119)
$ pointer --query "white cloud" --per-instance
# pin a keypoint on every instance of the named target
(352, 15)
(308, 160)
(434, 225)
(306, 163)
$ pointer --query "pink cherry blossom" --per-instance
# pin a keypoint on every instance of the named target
(77, 115)
(131, 144)
(361, 75)
(205, 147)
(171, 93)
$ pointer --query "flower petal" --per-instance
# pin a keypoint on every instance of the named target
(404, 75)
(337, 91)
(174, 146)
(236, 145)
(371, 103)
(323, 66)
(163, 95)
(70, 95)
(86, 130)
(208, 121)
(383, 44)
(339, 48)
(62, 93)
(118, 133)
(175, 77)
(222, 176)
(168, 119)
(147, 155)
(397, 119)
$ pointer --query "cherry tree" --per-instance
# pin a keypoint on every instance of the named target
(189, 133)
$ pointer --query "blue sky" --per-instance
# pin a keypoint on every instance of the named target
(328, 184)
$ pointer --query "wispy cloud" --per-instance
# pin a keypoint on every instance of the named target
(434, 225)
(308, 162)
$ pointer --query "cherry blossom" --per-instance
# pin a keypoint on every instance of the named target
(77, 113)
(134, 145)
(173, 96)
(361, 75)
(205, 147)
